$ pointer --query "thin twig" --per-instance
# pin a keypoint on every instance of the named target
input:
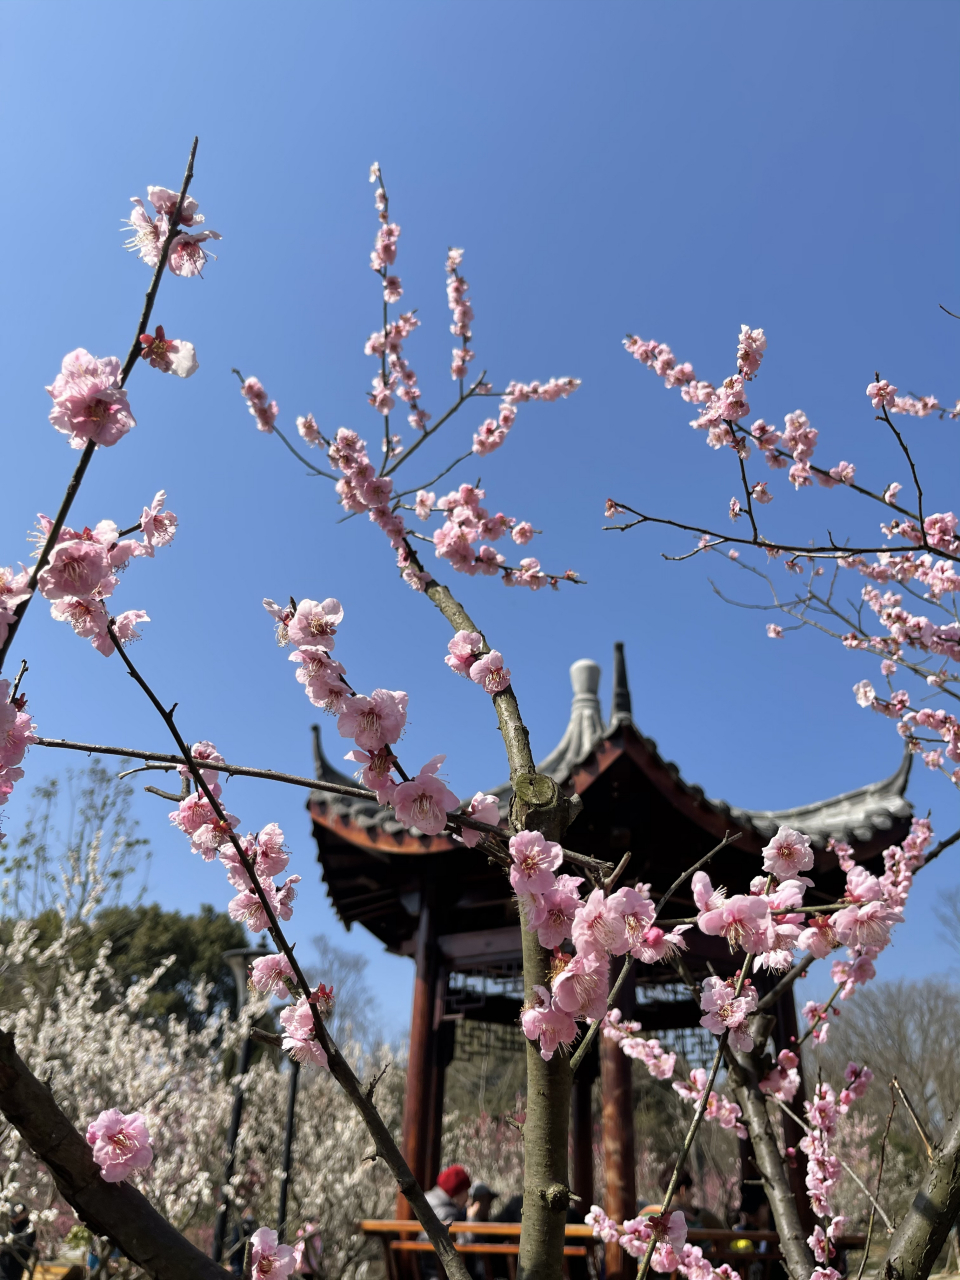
(895, 1084)
(618, 871)
(317, 471)
(463, 457)
(89, 448)
(16, 684)
(944, 844)
(727, 839)
(461, 400)
(876, 1199)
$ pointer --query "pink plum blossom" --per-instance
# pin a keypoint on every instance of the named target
(300, 1034)
(534, 861)
(165, 201)
(375, 721)
(637, 912)
(604, 1228)
(866, 926)
(522, 533)
(270, 1260)
(490, 673)
(552, 913)
(752, 345)
(787, 854)
(264, 411)
(169, 355)
(121, 1144)
(598, 926)
(315, 624)
(425, 800)
(546, 1022)
(485, 809)
(743, 920)
(774, 632)
(187, 256)
(882, 394)
(269, 975)
(464, 650)
(88, 401)
(308, 430)
(726, 1011)
(158, 526)
(819, 937)
(376, 773)
(582, 986)
(654, 944)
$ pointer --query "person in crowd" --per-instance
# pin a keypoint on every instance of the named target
(18, 1250)
(695, 1215)
(479, 1202)
(448, 1199)
(755, 1215)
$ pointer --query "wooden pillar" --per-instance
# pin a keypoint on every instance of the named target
(618, 1145)
(416, 1099)
(581, 1130)
(443, 1041)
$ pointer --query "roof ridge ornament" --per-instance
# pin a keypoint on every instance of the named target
(621, 710)
(585, 727)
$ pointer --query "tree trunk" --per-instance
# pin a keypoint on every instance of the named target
(793, 1244)
(919, 1238)
(546, 1193)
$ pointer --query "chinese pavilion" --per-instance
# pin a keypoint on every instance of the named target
(454, 914)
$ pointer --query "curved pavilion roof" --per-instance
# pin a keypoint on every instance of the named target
(377, 872)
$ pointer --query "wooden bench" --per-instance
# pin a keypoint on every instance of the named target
(740, 1249)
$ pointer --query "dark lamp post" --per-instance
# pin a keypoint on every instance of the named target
(238, 959)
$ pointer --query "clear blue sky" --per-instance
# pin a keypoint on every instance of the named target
(671, 171)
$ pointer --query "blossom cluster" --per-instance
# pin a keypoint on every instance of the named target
(81, 574)
(264, 411)
(823, 1166)
(465, 656)
(466, 522)
(492, 432)
(16, 734)
(374, 723)
(214, 837)
(909, 638)
(598, 927)
(667, 1232)
(187, 256)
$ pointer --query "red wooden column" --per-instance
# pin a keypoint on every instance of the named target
(618, 1146)
(581, 1130)
(417, 1110)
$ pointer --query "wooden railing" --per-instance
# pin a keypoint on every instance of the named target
(751, 1253)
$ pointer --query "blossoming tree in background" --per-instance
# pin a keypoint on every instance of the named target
(574, 914)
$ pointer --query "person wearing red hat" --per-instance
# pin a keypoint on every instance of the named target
(449, 1202)
(449, 1197)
